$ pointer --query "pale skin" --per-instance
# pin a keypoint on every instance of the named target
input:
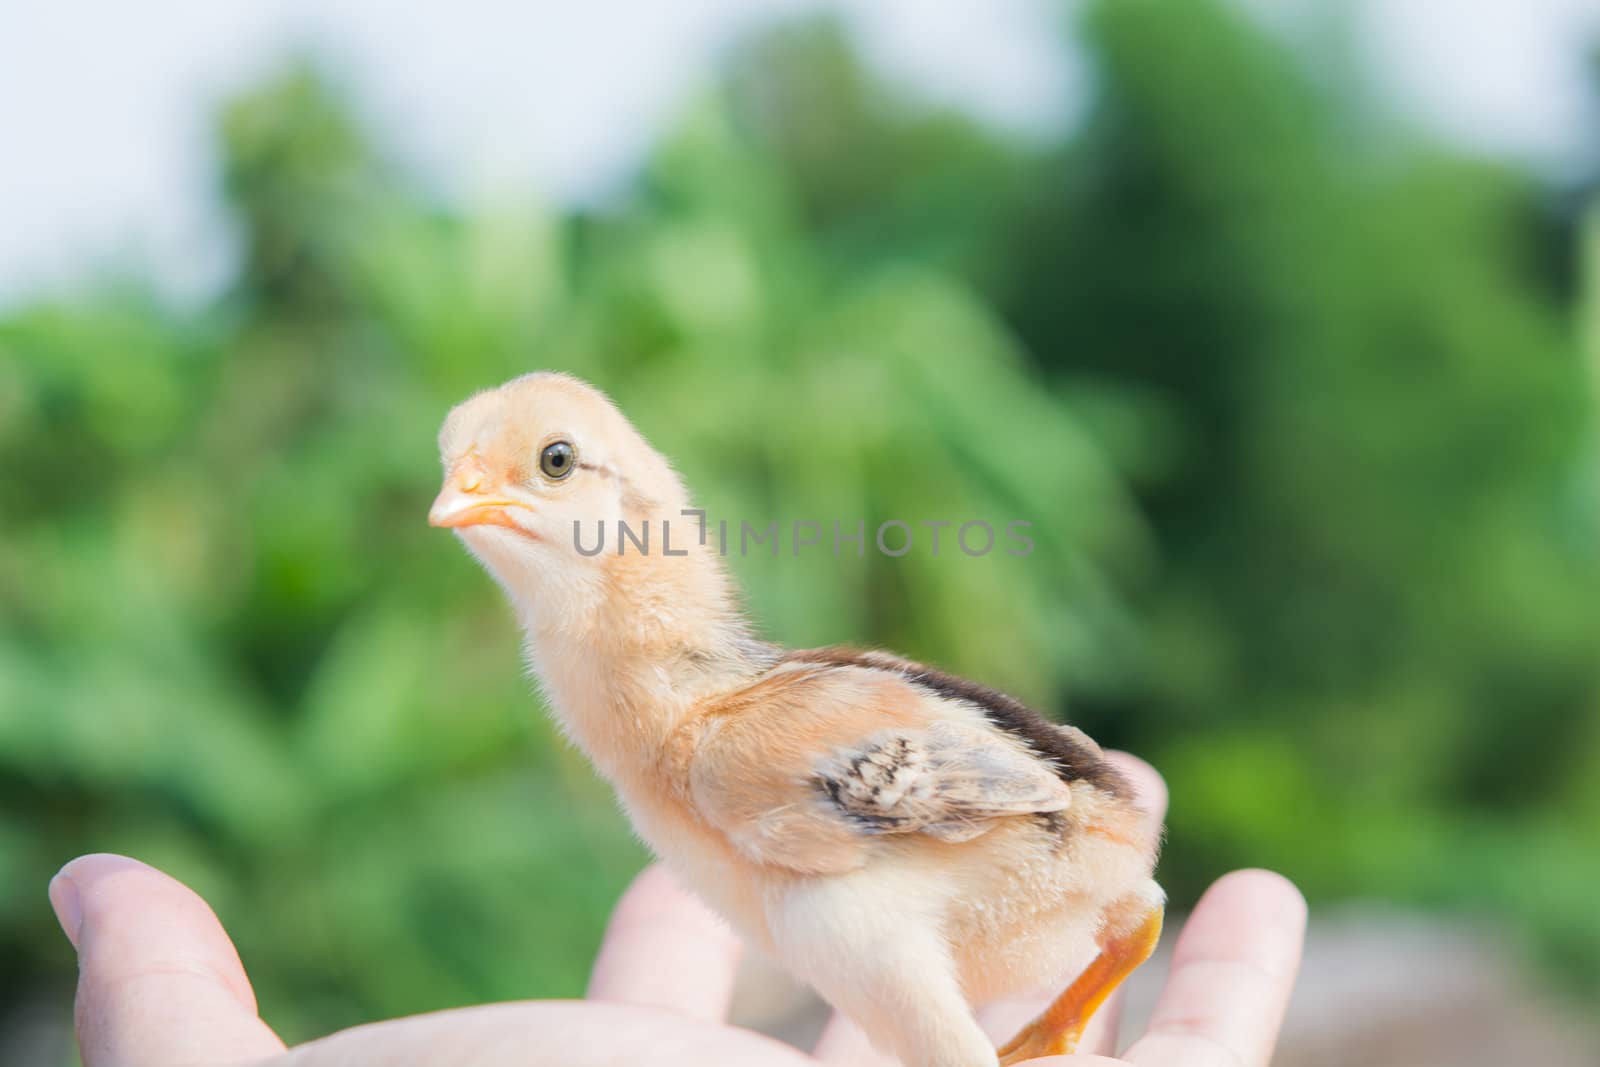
(160, 984)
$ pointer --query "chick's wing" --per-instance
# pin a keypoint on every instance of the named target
(811, 767)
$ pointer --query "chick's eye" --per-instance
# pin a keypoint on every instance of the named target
(557, 460)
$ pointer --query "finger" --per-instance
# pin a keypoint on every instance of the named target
(663, 948)
(1003, 1018)
(1232, 971)
(158, 980)
(843, 1042)
(1149, 788)
(545, 1034)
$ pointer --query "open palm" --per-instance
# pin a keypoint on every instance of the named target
(161, 984)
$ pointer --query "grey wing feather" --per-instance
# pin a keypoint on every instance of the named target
(949, 780)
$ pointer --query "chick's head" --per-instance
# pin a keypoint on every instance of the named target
(536, 469)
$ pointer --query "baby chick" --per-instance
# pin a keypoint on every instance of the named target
(907, 842)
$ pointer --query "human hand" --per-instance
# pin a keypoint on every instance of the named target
(161, 984)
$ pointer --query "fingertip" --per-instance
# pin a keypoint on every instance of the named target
(1266, 893)
(656, 897)
(98, 864)
(1148, 785)
(159, 981)
(665, 948)
(64, 902)
(655, 889)
(1233, 968)
(125, 909)
(67, 887)
(1254, 916)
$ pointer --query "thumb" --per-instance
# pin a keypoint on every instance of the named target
(158, 980)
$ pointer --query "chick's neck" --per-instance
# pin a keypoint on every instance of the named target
(654, 637)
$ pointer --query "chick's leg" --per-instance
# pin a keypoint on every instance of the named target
(869, 942)
(1128, 941)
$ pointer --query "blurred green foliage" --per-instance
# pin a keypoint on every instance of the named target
(1293, 402)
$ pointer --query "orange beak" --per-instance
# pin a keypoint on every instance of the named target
(465, 500)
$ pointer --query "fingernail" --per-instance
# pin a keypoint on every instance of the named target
(64, 899)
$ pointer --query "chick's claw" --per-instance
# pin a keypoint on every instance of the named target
(1057, 1031)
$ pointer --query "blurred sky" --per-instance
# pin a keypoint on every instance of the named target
(104, 106)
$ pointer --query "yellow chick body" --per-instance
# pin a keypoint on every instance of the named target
(907, 842)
